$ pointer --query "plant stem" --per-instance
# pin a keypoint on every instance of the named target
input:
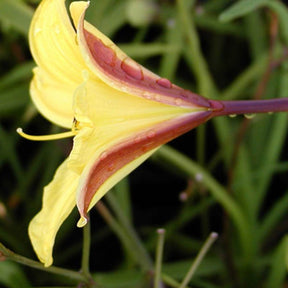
(86, 250)
(211, 239)
(9, 255)
(199, 65)
(249, 106)
(166, 153)
(159, 257)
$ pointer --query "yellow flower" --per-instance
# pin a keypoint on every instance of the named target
(118, 111)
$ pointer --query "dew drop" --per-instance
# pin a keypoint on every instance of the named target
(232, 115)
(85, 75)
(37, 31)
(137, 139)
(57, 29)
(103, 155)
(178, 101)
(108, 55)
(147, 95)
(157, 98)
(111, 167)
(185, 93)
(199, 177)
(163, 82)
(249, 116)
(132, 69)
(151, 134)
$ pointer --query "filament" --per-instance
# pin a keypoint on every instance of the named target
(63, 135)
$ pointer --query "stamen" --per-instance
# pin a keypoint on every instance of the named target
(46, 137)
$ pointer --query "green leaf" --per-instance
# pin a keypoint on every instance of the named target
(12, 276)
(241, 8)
(278, 271)
(16, 14)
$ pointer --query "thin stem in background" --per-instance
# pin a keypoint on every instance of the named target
(206, 85)
(159, 258)
(210, 240)
(86, 250)
(190, 168)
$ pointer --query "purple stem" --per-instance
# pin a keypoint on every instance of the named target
(249, 106)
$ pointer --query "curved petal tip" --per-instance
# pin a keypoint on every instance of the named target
(82, 222)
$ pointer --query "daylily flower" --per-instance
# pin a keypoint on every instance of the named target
(118, 112)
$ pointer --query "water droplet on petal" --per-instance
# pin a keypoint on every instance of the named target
(163, 82)
(137, 139)
(249, 116)
(108, 55)
(132, 69)
(111, 167)
(57, 29)
(151, 134)
(157, 98)
(37, 31)
(103, 155)
(178, 101)
(185, 93)
(85, 75)
(147, 95)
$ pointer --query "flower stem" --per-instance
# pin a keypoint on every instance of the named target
(159, 257)
(86, 250)
(210, 240)
(249, 106)
(189, 167)
(9, 255)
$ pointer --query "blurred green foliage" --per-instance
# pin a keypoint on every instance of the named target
(221, 49)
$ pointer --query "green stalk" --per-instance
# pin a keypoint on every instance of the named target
(191, 168)
(211, 239)
(5, 253)
(86, 250)
(159, 257)
(205, 81)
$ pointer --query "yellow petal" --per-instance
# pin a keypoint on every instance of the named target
(58, 202)
(53, 45)
(114, 160)
(117, 70)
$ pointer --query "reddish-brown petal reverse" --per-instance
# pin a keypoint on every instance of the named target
(125, 152)
(129, 76)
